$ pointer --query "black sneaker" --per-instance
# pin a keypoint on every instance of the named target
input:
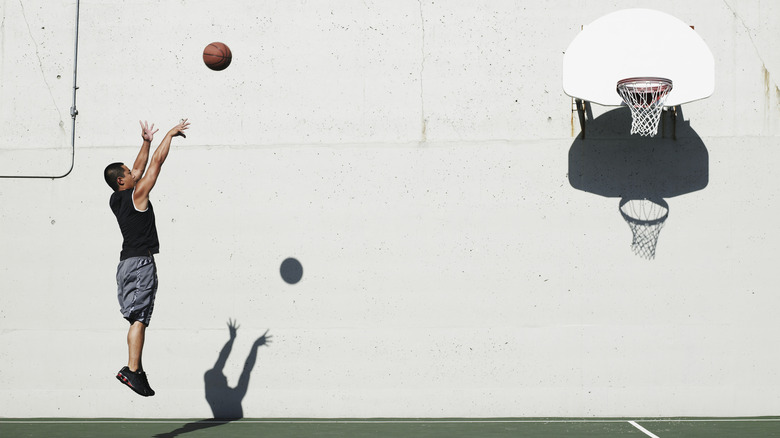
(135, 381)
(149, 390)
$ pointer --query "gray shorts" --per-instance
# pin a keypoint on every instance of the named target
(136, 280)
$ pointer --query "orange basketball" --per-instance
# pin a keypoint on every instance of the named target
(217, 56)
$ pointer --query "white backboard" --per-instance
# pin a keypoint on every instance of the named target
(635, 43)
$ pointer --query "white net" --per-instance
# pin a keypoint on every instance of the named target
(646, 218)
(645, 97)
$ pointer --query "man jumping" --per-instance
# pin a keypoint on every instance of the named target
(136, 275)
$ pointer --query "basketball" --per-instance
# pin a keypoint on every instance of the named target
(217, 56)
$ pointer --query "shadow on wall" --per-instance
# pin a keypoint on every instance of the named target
(225, 402)
(640, 171)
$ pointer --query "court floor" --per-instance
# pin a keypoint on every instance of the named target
(385, 428)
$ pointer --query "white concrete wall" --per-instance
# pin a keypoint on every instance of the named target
(414, 156)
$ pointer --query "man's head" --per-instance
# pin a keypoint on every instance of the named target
(118, 177)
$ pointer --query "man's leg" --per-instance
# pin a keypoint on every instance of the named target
(133, 374)
(135, 345)
(137, 286)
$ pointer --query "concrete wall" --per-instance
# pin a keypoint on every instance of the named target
(416, 157)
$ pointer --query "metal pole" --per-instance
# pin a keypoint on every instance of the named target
(73, 113)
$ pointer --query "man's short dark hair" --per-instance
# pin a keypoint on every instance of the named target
(112, 172)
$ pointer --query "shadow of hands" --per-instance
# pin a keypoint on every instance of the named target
(232, 328)
(263, 340)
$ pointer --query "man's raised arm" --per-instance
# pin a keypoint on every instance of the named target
(147, 182)
(147, 134)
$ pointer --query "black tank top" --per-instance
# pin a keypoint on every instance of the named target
(138, 227)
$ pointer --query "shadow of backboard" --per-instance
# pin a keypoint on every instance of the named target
(640, 171)
(610, 163)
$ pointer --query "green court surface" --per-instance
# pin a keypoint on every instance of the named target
(385, 428)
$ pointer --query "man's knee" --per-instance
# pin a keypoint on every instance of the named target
(137, 328)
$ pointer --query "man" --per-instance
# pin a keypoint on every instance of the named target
(137, 274)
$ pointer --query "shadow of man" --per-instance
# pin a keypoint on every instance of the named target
(225, 402)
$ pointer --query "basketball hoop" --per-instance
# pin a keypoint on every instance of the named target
(645, 97)
(646, 218)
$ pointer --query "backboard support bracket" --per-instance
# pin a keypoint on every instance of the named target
(673, 113)
(584, 112)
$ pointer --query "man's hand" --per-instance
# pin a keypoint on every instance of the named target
(178, 130)
(147, 133)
